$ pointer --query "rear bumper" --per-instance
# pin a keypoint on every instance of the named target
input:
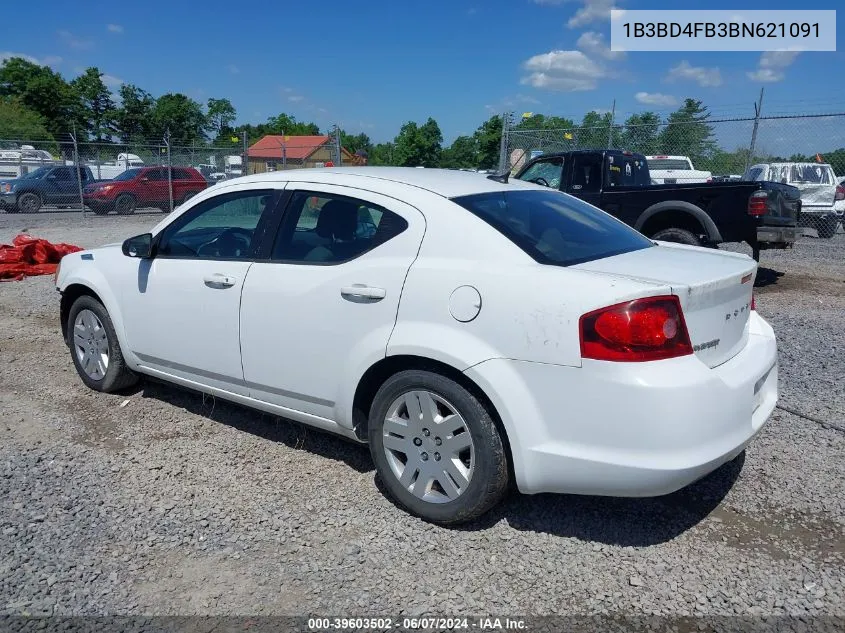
(631, 429)
(777, 234)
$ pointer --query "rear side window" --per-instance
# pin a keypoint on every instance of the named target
(554, 228)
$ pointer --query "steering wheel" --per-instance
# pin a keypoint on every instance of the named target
(540, 181)
(232, 242)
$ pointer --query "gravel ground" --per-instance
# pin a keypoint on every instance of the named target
(160, 501)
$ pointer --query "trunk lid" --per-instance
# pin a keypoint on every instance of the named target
(714, 288)
(816, 197)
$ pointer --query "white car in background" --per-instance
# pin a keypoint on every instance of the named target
(670, 170)
(471, 330)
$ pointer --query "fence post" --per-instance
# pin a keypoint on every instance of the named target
(338, 149)
(245, 160)
(610, 129)
(76, 169)
(503, 149)
(758, 108)
(169, 168)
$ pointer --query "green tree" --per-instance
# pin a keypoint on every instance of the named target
(288, 125)
(42, 90)
(542, 122)
(181, 116)
(133, 120)
(97, 106)
(688, 133)
(419, 145)
(488, 142)
(383, 154)
(17, 122)
(220, 115)
(463, 152)
(353, 143)
(641, 133)
(594, 132)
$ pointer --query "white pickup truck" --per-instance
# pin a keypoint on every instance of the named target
(671, 170)
(822, 197)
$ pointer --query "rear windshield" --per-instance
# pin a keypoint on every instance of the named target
(553, 227)
(668, 163)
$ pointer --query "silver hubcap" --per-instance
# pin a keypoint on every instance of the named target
(428, 446)
(91, 344)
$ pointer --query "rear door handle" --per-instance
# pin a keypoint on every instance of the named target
(219, 280)
(360, 291)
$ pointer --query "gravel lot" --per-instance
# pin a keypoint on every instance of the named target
(160, 501)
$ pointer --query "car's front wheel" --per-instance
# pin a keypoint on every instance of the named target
(125, 204)
(436, 448)
(94, 347)
(29, 202)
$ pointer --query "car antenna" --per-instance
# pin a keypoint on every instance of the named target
(503, 177)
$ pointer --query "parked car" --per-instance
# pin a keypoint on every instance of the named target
(50, 184)
(144, 187)
(483, 331)
(821, 196)
(669, 170)
(763, 214)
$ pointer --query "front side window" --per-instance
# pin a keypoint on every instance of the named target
(327, 228)
(545, 172)
(554, 228)
(223, 227)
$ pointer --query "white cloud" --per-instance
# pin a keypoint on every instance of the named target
(593, 43)
(233, 69)
(74, 41)
(567, 71)
(49, 60)
(322, 110)
(114, 28)
(772, 65)
(295, 98)
(656, 99)
(705, 77)
(111, 81)
(592, 11)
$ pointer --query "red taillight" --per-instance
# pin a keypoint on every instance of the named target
(753, 305)
(652, 328)
(840, 193)
(757, 203)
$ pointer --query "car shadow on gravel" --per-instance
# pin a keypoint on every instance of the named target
(767, 277)
(263, 425)
(625, 522)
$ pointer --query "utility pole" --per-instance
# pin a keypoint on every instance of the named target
(758, 109)
(245, 165)
(610, 129)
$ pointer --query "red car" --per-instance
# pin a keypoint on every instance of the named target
(143, 187)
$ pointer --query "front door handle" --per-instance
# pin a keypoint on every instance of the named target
(360, 291)
(219, 280)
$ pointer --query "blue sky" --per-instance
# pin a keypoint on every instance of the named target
(372, 65)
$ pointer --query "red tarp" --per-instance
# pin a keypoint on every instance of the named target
(28, 256)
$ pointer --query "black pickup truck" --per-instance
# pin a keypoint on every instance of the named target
(763, 214)
(51, 184)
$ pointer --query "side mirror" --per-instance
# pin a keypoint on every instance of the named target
(139, 246)
(145, 179)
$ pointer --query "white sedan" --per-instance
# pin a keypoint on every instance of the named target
(472, 331)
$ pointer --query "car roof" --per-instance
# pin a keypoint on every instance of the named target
(448, 183)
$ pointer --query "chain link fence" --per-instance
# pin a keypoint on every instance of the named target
(153, 174)
(806, 151)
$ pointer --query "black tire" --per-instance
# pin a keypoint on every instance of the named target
(489, 481)
(827, 227)
(125, 204)
(681, 236)
(101, 209)
(117, 375)
(29, 202)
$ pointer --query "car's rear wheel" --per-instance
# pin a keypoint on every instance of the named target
(94, 347)
(101, 209)
(29, 202)
(436, 448)
(681, 236)
(125, 204)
